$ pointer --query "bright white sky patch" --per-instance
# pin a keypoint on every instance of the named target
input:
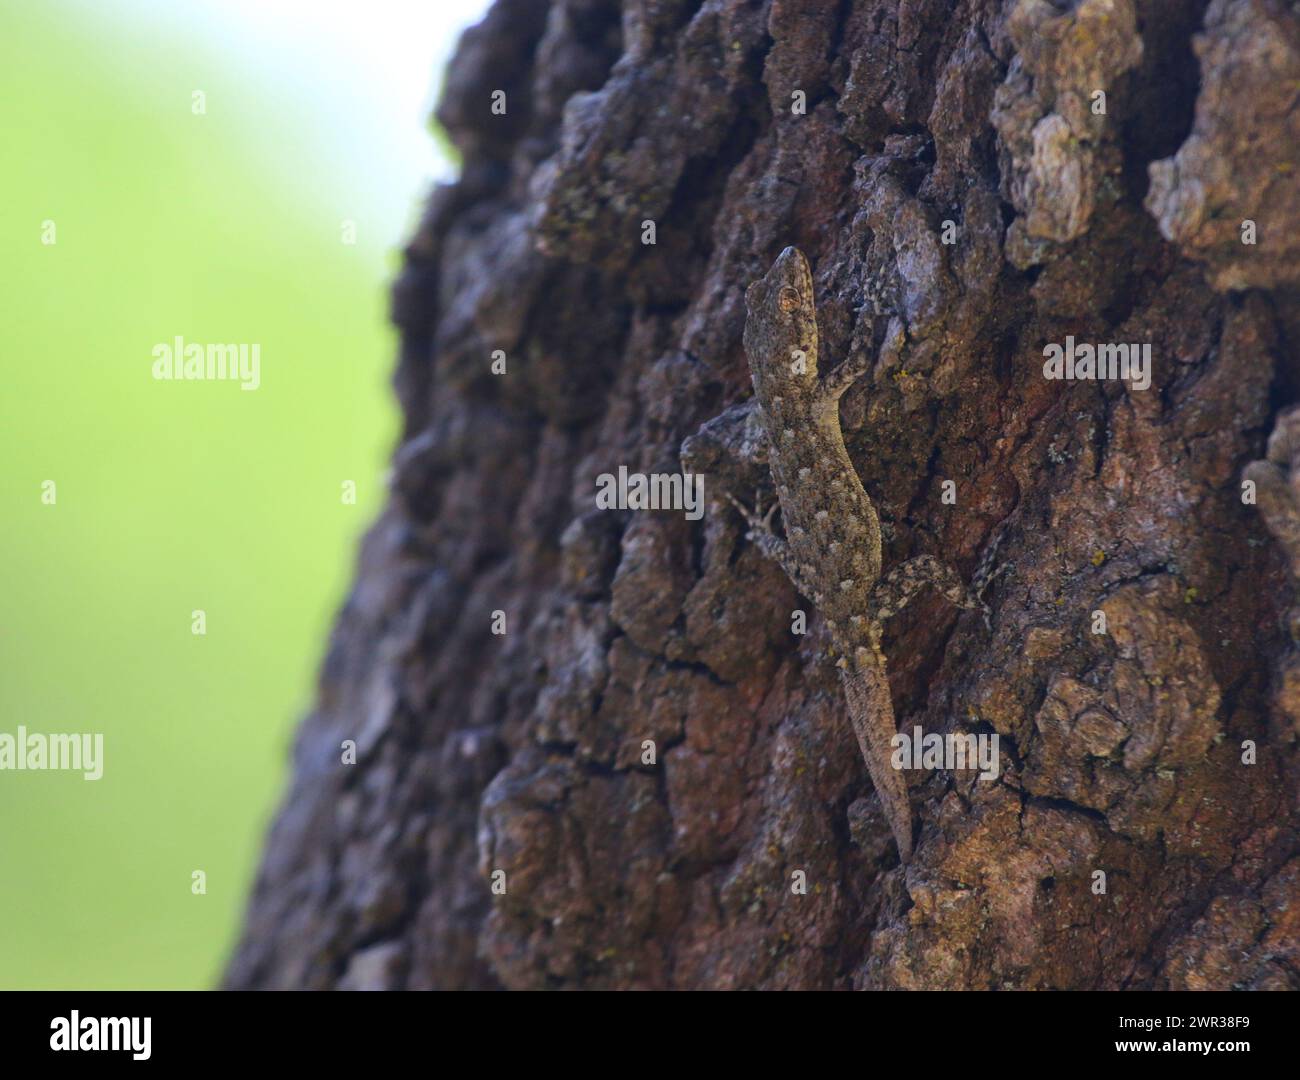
(362, 74)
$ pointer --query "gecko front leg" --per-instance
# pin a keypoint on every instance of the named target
(772, 546)
(839, 380)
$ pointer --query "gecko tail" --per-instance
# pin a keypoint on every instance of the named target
(871, 711)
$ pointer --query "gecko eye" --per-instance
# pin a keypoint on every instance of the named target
(788, 299)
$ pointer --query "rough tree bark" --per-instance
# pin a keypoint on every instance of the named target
(1124, 752)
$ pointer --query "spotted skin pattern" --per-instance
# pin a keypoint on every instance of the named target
(832, 547)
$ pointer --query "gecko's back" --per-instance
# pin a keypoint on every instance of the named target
(832, 530)
(830, 524)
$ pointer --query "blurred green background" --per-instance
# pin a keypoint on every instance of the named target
(175, 496)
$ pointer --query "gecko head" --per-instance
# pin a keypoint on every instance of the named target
(782, 319)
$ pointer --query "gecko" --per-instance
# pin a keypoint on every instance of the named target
(832, 546)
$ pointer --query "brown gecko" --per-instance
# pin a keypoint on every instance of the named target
(832, 549)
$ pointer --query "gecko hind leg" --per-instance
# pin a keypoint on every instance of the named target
(899, 587)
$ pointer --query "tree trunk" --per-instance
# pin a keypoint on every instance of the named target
(649, 780)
